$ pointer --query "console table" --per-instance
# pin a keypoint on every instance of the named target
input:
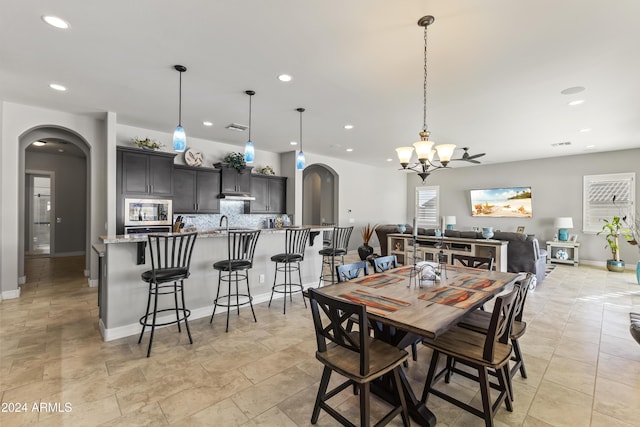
(562, 252)
(428, 248)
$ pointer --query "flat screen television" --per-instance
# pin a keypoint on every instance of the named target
(510, 202)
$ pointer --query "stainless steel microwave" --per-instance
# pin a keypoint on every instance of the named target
(145, 212)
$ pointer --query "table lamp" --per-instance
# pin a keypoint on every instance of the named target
(563, 223)
(450, 220)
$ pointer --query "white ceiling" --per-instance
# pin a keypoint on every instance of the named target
(496, 69)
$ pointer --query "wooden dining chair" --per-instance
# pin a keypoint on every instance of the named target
(358, 357)
(485, 263)
(485, 353)
(385, 263)
(351, 271)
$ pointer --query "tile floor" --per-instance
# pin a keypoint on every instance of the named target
(584, 368)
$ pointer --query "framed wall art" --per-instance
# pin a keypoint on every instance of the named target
(509, 202)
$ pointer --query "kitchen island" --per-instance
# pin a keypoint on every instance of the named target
(123, 294)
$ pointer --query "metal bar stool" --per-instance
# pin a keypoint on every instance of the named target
(241, 245)
(170, 260)
(339, 243)
(288, 262)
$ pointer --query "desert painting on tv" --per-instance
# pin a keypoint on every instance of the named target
(514, 202)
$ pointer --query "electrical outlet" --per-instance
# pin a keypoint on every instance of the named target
(261, 278)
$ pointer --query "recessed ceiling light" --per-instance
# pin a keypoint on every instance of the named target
(572, 90)
(590, 147)
(349, 150)
(58, 87)
(293, 143)
(576, 102)
(207, 123)
(39, 143)
(60, 150)
(585, 130)
(54, 21)
(389, 160)
(285, 78)
(348, 127)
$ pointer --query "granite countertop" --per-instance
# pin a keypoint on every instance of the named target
(215, 232)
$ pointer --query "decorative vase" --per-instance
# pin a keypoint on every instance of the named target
(364, 251)
(402, 228)
(615, 266)
(487, 232)
(638, 272)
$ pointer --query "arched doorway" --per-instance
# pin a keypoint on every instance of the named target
(319, 195)
(64, 155)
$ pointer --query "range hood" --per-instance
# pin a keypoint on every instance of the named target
(236, 196)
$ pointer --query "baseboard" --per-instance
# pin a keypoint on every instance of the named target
(65, 254)
(22, 280)
(87, 273)
(12, 294)
(110, 334)
(93, 283)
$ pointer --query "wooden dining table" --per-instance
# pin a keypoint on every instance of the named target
(401, 308)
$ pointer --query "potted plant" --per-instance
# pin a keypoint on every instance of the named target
(236, 161)
(367, 233)
(614, 229)
(146, 143)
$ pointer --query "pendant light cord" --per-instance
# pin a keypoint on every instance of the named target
(301, 130)
(180, 101)
(250, 96)
(424, 118)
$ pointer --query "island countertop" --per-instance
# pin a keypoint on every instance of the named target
(209, 233)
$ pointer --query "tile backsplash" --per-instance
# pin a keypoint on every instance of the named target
(234, 210)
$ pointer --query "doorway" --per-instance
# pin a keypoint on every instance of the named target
(39, 213)
(320, 195)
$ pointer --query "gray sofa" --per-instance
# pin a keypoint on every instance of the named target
(523, 252)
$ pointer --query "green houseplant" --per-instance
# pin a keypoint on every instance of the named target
(367, 233)
(614, 229)
(236, 161)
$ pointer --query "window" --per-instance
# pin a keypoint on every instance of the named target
(427, 206)
(598, 198)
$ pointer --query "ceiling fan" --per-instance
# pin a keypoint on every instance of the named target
(469, 158)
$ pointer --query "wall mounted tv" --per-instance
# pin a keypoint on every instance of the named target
(511, 202)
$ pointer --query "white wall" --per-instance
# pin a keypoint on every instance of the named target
(16, 120)
(556, 185)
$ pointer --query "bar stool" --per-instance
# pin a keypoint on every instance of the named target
(241, 245)
(339, 244)
(288, 262)
(170, 260)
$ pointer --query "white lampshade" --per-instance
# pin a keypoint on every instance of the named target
(404, 154)
(450, 219)
(423, 149)
(445, 152)
(563, 222)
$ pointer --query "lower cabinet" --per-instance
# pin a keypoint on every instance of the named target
(196, 190)
(270, 194)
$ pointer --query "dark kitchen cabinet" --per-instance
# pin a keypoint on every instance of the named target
(146, 172)
(234, 181)
(196, 190)
(270, 194)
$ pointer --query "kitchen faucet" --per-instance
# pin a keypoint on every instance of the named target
(226, 219)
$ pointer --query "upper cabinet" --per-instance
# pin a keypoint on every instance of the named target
(196, 190)
(146, 172)
(270, 194)
(234, 181)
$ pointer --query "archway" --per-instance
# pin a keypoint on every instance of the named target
(320, 195)
(64, 144)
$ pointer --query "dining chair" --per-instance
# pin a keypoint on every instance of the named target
(358, 357)
(385, 263)
(634, 327)
(483, 352)
(170, 262)
(287, 262)
(485, 263)
(479, 321)
(351, 271)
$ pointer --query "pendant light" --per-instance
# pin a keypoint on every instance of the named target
(249, 151)
(300, 161)
(179, 137)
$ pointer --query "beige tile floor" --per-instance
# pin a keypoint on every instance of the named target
(584, 368)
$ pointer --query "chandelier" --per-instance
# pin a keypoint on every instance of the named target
(425, 149)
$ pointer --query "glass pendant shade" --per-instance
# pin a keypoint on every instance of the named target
(404, 154)
(445, 152)
(423, 149)
(179, 139)
(249, 152)
(300, 161)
